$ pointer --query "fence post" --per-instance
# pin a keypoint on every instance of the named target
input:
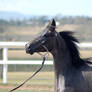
(1, 66)
(5, 66)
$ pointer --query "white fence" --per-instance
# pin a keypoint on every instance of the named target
(5, 60)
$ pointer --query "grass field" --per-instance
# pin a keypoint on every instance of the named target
(6, 90)
(42, 82)
(13, 54)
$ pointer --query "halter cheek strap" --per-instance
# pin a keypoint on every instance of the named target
(46, 54)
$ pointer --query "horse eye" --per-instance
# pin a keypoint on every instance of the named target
(47, 35)
(43, 42)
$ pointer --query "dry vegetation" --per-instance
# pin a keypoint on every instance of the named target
(22, 55)
(42, 82)
(28, 33)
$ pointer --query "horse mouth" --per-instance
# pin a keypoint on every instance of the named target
(29, 52)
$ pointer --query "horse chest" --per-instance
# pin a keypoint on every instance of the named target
(67, 84)
(60, 84)
(64, 85)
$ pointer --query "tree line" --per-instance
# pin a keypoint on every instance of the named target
(40, 21)
(83, 23)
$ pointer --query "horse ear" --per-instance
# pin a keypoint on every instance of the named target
(53, 23)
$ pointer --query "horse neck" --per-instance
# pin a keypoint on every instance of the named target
(62, 65)
(62, 59)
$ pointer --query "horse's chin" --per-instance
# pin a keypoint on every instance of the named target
(31, 53)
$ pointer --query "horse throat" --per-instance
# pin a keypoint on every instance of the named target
(62, 60)
(62, 66)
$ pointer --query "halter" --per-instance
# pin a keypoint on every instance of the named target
(46, 54)
(44, 58)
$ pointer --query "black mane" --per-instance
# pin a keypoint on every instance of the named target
(71, 41)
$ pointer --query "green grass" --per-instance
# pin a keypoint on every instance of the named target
(6, 90)
(42, 78)
(42, 82)
(3, 90)
(29, 68)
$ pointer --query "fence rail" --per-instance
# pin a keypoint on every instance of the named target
(5, 61)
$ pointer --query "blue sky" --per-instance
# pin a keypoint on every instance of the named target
(48, 7)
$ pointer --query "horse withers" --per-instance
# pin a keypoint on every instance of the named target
(72, 73)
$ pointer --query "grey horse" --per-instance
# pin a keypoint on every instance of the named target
(72, 73)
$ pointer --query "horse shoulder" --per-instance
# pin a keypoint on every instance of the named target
(87, 74)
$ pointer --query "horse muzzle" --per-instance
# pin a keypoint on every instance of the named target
(28, 49)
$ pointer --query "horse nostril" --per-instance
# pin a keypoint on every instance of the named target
(27, 51)
(27, 45)
(26, 48)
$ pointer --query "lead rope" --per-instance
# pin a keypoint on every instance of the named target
(44, 58)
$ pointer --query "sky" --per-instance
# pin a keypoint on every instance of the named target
(48, 7)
